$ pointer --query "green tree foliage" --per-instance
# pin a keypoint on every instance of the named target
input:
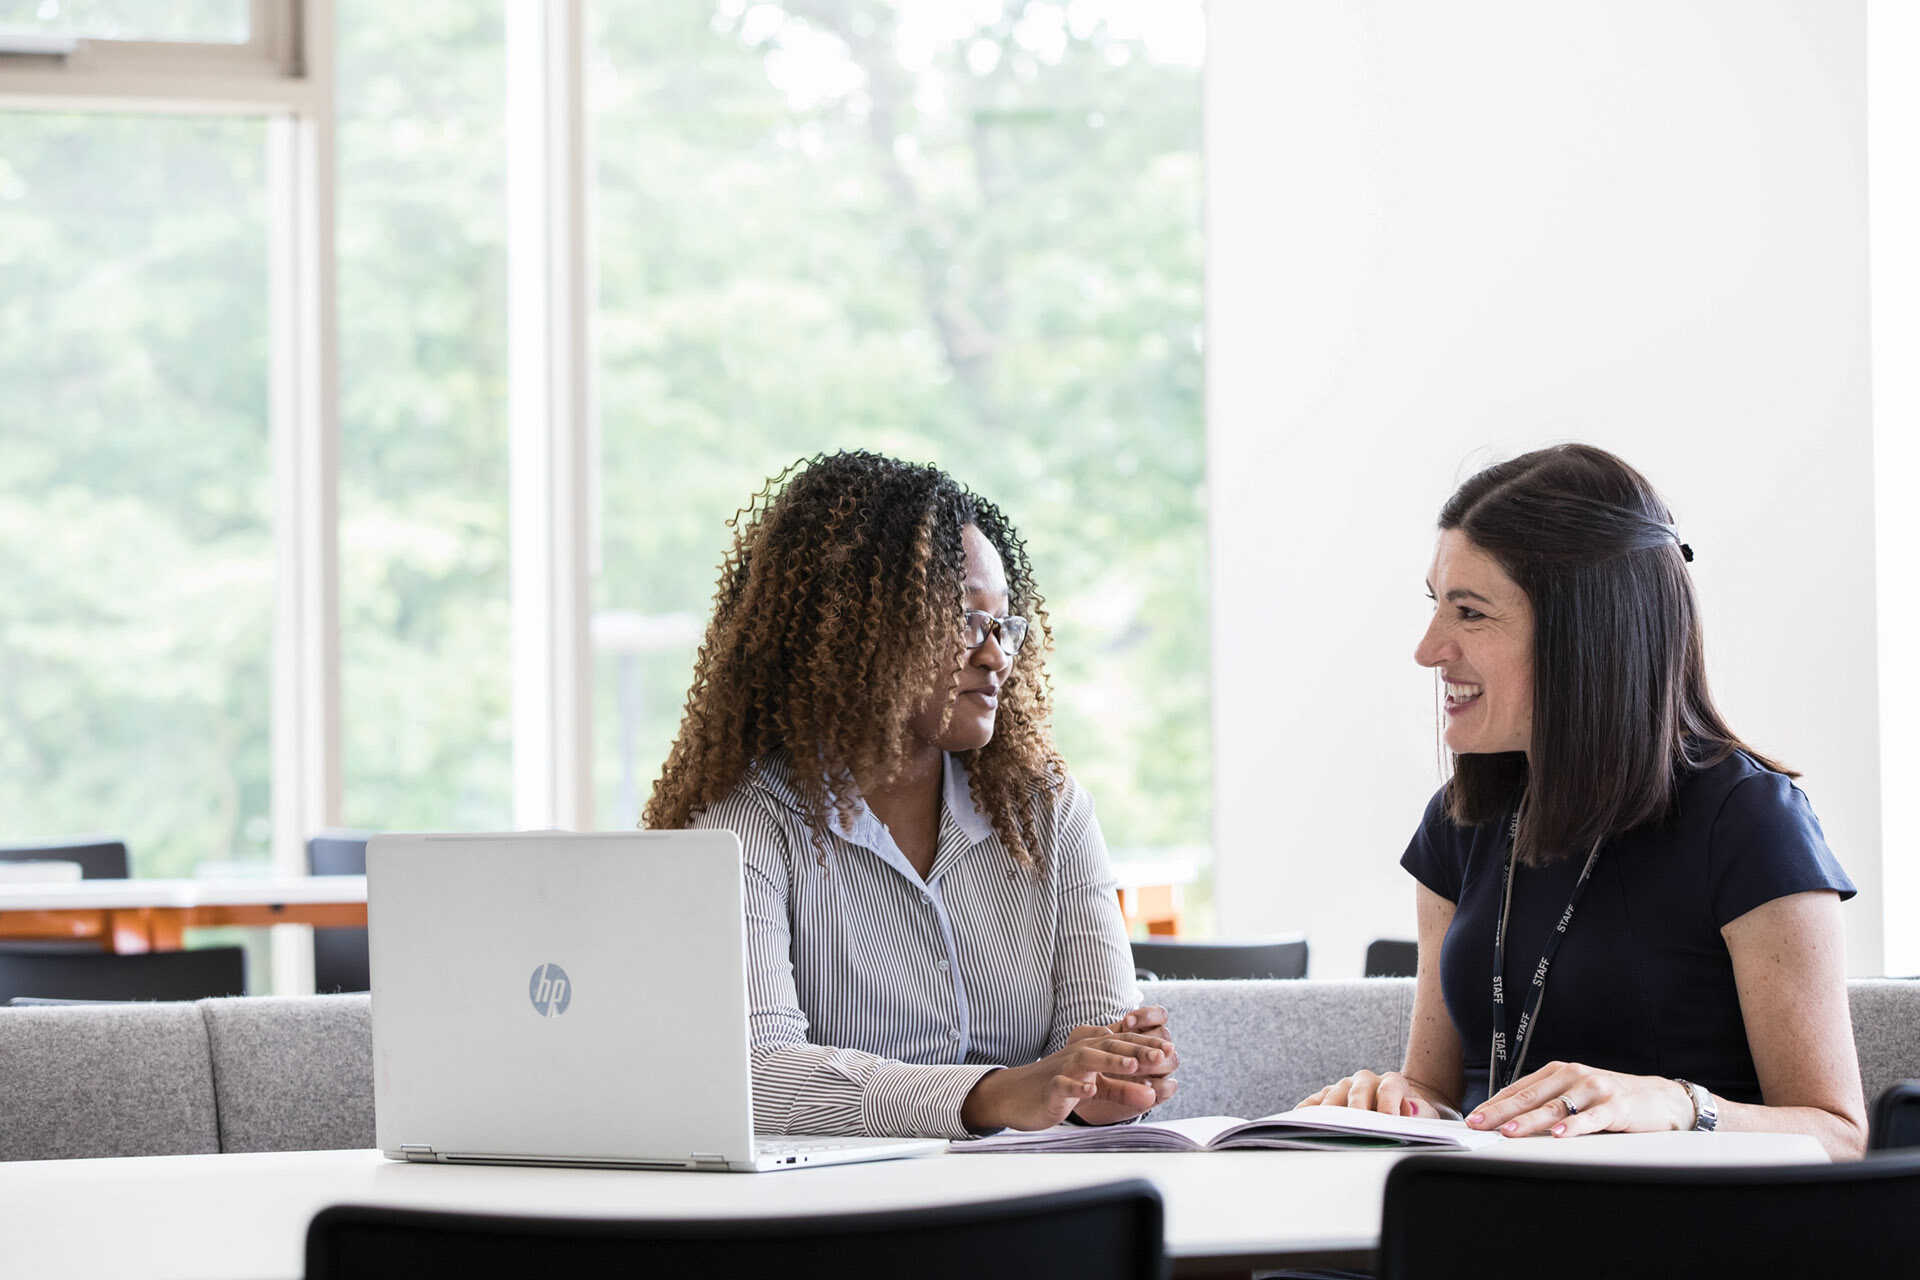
(968, 234)
(959, 233)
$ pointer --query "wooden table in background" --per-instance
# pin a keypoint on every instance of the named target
(1150, 893)
(131, 916)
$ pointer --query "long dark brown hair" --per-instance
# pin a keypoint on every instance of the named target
(1621, 709)
(837, 611)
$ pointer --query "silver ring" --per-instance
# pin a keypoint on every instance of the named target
(1568, 1103)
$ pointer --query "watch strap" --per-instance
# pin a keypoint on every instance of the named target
(1706, 1115)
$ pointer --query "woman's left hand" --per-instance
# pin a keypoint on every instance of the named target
(1124, 1097)
(1602, 1101)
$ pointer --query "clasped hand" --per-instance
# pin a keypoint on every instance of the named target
(1104, 1074)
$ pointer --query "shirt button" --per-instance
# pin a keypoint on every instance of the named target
(941, 965)
(926, 899)
(954, 1034)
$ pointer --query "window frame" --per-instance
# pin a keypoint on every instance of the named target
(270, 69)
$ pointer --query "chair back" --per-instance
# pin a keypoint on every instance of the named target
(1274, 958)
(103, 975)
(1464, 1216)
(339, 955)
(1108, 1231)
(1895, 1122)
(98, 859)
(1392, 958)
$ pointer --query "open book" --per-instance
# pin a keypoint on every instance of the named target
(1303, 1129)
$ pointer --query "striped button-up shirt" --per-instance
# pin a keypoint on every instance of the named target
(879, 998)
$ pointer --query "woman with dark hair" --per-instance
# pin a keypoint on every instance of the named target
(934, 934)
(1628, 918)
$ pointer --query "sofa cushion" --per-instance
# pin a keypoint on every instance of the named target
(292, 1073)
(1886, 1031)
(105, 1080)
(1253, 1048)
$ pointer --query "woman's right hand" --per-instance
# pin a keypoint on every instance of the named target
(1040, 1096)
(1391, 1094)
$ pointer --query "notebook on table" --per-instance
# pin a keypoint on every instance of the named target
(550, 998)
(1302, 1129)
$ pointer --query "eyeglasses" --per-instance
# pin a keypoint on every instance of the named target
(976, 625)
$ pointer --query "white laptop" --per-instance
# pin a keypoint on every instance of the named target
(550, 998)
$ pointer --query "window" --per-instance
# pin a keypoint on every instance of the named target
(136, 546)
(966, 234)
(423, 438)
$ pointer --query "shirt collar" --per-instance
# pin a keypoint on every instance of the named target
(775, 776)
(959, 795)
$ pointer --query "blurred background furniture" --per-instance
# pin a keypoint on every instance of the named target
(99, 859)
(1585, 1221)
(1895, 1122)
(1152, 884)
(1109, 1230)
(154, 915)
(339, 955)
(103, 975)
(1283, 957)
(1391, 958)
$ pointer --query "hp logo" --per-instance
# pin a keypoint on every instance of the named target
(549, 990)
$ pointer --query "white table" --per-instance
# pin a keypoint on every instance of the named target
(153, 915)
(247, 1215)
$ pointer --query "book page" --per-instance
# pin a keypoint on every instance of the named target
(1416, 1129)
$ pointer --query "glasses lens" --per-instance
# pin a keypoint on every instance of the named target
(1013, 633)
(974, 628)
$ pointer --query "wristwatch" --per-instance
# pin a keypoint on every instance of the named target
(1706, 1115)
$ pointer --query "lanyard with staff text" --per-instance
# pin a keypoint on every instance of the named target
(1499, 1074)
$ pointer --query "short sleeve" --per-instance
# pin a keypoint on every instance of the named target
(1437, 854)
(1766, 844)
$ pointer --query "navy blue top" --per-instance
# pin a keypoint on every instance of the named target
(1643, 982)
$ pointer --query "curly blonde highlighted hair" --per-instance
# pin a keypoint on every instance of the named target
(837, 611)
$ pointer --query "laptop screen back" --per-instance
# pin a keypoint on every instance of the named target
(562, 997)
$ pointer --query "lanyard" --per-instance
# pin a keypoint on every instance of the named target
(1499, 1074)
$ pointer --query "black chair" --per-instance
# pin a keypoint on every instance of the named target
(99, 859)
(1277, 958)
(1391, 958)
(339, 955)
(103, 975)
(1896, 1117)
(1108, 1231)
(1452, 1216)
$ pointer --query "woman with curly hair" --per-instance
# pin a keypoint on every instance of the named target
(935, 943)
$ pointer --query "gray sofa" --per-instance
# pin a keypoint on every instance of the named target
(269, 1074)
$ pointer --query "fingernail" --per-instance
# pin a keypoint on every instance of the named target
(1509, 1126)
(1129, 1064)
(1413, 1108)
(1559, 1131)
(1476, 1119)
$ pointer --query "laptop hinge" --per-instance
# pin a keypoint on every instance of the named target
(418, 1152)
(701, 1158)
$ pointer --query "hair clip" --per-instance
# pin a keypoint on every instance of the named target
(1686, 553)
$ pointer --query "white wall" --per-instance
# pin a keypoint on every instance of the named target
(1893, 161)
(1442, 234)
